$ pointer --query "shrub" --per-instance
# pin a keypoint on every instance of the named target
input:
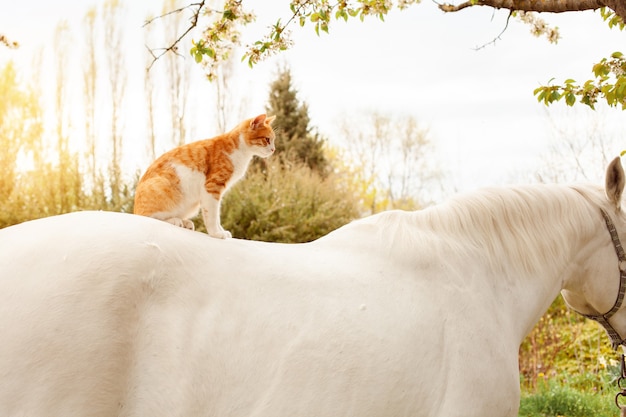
(286, 202)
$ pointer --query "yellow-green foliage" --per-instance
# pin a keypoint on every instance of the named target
(567, 367)
(566, 347)
(49, 190)
(287, 202)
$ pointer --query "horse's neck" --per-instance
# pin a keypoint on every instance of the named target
(522, 248)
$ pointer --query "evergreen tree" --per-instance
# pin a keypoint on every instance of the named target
(295, 139)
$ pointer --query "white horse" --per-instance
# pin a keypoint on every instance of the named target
(399, 314)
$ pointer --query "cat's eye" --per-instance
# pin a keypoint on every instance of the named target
(268, 140)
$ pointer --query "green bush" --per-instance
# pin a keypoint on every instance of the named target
(286, 202)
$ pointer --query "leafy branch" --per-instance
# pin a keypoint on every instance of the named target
(173, 47)
(609, 80)
(222, 34)
(320, 14)
(609, 83)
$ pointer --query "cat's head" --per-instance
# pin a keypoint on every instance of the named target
(259, 135)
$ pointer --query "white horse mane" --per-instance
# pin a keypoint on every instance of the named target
(527, 225)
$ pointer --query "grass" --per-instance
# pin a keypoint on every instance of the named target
(554, 399)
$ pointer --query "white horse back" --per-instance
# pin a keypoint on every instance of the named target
(107, 314)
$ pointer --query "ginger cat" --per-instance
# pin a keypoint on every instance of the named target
(197, 175)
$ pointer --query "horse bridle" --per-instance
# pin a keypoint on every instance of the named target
(603, 319)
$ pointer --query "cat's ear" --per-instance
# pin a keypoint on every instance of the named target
(270, 120)
(258, 121)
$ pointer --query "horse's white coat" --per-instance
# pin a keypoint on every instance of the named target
(399, 314)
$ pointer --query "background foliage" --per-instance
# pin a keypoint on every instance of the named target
(287, 202)
(567, 367)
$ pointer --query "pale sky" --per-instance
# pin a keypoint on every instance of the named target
(478, 104)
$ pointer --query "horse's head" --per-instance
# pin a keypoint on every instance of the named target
(597, 283)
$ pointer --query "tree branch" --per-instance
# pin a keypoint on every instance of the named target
(499, 37)
(618, 6)
(173, 47)
(8, 43)
(552, 6)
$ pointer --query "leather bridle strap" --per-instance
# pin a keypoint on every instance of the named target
(603, 319)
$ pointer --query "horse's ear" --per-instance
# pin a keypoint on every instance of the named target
(615, 182)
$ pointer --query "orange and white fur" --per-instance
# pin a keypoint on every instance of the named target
(197, 175)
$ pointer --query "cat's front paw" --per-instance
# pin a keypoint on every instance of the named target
(221, 234)
(184, 223)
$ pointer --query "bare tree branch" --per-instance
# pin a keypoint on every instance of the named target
(173, 47)
(499, 37)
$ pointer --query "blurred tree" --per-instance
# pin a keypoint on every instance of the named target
(34, 184)
(178, 75)
(225, 101)
(581, 147)
(112, 19)
(295, 139)
(64, 182)
(393, 155)
(150, 94)
(90, 77)
(20, 126)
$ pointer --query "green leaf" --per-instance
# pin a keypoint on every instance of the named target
(601, 70)
(554, 96)
(542, 95)
(620, 88)
(570, 99)
(229, 15)
(341, 13)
